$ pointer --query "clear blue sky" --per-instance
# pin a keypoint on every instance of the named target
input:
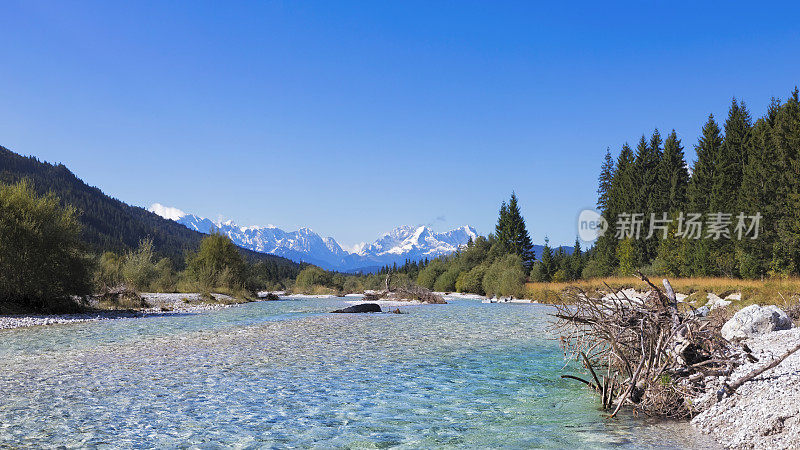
(355, 117)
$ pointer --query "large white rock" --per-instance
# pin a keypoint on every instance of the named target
(755, 320)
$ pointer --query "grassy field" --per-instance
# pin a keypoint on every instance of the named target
(774, 291)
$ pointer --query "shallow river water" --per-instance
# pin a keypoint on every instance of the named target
(288, 374)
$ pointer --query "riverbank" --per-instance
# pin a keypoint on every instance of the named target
(773, 291)
(161, 304)
(763, 412)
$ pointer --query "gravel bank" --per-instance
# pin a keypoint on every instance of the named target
(162, 305)
(764, 412)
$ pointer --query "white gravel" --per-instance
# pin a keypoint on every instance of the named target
(162, 305)
(764, 412)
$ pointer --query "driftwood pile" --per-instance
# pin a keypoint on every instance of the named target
(404, 293)
(650, 355)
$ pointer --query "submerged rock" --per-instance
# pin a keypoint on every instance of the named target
(361, 308)
(755, 321)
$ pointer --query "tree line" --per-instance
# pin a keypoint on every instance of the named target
(743, 168)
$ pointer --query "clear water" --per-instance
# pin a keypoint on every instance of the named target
(287, 374)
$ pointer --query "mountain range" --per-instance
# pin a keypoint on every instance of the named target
(405, 242)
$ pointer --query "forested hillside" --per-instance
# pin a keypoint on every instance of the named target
(111, 225)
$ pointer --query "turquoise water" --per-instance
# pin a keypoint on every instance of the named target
(287, 374)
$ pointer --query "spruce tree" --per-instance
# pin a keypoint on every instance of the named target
(786, 139)
(709, 147)
(576, 260)
(703, 173)
(648, 196)
(604, 181)
(621, 199)
(502, 229)
(673, 174)
(519, 239)
(731, 159)
(761, 184)
(547, 263)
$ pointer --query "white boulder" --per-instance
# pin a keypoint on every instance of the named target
(714, 301)
(755, 320)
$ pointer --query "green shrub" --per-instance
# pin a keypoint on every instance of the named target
(505, 277)
(310, 277)
(42, 260)
(472, 281)
(109, 270)
(217, 264)
(138, 269)
(427, 276)
(446, 282)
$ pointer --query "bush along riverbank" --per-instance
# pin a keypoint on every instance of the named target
(654, 358)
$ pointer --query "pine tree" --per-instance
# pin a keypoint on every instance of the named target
(604, 182)
(623, 185)
(703, 173)
(786, 139)
(519, 240)
(576, 260)
(761, 184)
(546, 261)
(673, 174)
(701, 185)
(731, 159)
(648, 157)
(622, 192)
(502, 230)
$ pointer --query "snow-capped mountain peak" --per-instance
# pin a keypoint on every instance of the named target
(399, 244)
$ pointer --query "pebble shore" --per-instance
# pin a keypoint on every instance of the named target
(162, 305)
(764, 412)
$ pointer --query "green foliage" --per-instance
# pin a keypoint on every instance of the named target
(604, 181)
(511, 234)
(166, 280)
(626, 254)
(446, 282)
(472, 281)
(427, 277)
(217, 263)
(109, 270)
(505, 277)
(42, 260)
(138, 269)
(750, 167)
(312, 276)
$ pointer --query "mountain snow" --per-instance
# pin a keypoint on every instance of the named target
(405, 242)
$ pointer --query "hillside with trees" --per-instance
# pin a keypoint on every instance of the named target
(109, 225)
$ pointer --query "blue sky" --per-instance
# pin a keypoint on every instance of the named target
(355, 117)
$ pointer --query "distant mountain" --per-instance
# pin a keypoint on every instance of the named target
(109, 224)
(537, 250)
(396, 246)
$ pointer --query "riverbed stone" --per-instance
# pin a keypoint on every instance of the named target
(360, 308)
(755, 320)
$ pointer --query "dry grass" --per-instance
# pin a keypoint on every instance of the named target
(783, 292)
